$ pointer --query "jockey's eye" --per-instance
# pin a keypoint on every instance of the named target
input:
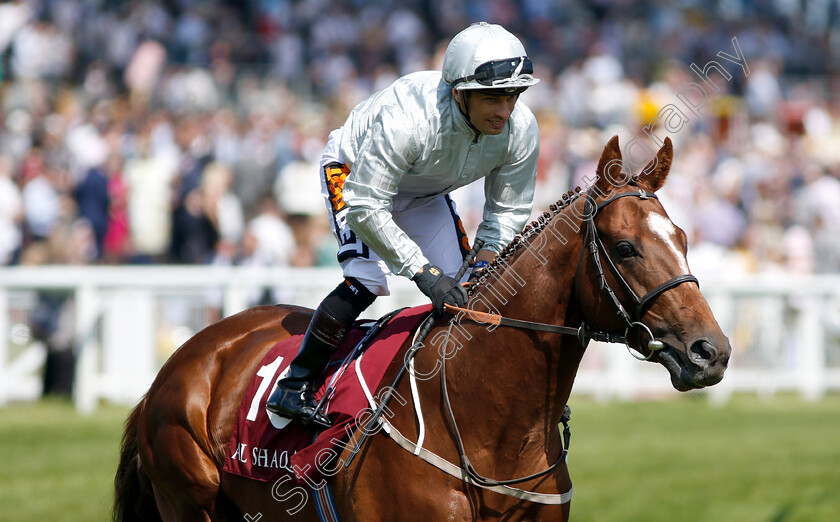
(625, 249)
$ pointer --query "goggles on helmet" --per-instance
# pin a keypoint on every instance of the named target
(498, 73)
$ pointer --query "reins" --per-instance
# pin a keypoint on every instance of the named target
(467, 466)
(583, 332)
(592, 243)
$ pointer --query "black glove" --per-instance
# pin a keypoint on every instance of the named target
(440, 288)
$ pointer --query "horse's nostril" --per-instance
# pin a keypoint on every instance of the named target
(702, 352)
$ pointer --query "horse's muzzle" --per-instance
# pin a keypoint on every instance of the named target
(701, 364)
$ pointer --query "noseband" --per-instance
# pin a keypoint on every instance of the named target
(593, 243)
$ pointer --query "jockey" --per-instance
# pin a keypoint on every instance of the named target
(386, 175)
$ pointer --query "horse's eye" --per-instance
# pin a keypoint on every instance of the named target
(625, 249)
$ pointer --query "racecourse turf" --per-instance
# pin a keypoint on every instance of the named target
(665, 460)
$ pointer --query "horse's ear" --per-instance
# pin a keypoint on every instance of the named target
(609, 168)
(654, 174)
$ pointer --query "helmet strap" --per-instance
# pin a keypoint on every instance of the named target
(463, 106)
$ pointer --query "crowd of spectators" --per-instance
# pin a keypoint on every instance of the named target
(189, 131)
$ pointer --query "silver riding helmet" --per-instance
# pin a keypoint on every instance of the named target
(487, 56)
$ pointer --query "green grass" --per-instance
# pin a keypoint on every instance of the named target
(678, 460)
(57, 465)
(686, 460)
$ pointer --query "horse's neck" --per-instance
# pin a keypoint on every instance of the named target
(513, 384)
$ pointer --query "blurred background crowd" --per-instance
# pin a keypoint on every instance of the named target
(189, 131)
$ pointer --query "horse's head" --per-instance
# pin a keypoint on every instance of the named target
(642, 258)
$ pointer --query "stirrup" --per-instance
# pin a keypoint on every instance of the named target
(296, 404)
(318, 419)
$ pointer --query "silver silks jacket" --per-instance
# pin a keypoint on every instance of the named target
(411, 141)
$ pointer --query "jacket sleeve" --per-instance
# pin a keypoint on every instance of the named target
(509, 191)
(385, 154)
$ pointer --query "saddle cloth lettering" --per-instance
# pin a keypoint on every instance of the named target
(267, 447)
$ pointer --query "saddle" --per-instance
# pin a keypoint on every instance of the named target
(267, 447)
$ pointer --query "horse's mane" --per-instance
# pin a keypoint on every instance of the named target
(532, 229)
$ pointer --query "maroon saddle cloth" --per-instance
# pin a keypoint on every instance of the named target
(266, 447)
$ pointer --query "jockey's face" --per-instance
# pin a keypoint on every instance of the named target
(488, 113)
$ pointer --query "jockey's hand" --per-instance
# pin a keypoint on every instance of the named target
(440, 288)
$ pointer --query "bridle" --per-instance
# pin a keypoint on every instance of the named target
(593, 244)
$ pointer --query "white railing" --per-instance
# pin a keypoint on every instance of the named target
(785, 331)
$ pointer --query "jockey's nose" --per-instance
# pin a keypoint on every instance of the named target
(503, 107)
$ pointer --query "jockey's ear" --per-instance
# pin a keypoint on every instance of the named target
(609, 169)
(654, 174)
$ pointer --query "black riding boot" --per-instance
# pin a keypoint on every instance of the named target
(294, 396)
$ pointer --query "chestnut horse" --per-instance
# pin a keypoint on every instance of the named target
(579, 269)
